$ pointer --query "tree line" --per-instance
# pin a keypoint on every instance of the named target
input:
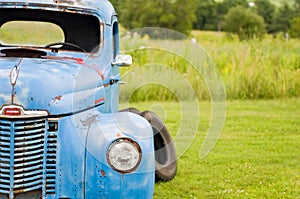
(247, 19)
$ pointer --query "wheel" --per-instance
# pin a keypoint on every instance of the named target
(132, 110)
(165, 153)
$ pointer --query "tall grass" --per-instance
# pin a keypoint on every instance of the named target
(255, 69)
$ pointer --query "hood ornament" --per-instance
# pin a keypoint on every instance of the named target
(14, 74)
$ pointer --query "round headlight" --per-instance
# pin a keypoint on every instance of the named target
(124, 155)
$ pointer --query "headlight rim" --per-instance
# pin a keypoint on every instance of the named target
(126, 140)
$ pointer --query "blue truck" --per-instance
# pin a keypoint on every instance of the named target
(62, 135)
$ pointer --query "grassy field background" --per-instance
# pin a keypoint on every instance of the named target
(257, 155)
(255, 69)
(34, 33)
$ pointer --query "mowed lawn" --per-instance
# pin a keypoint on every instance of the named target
(257, 155)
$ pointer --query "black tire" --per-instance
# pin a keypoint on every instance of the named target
(132, 110)
(165, 153)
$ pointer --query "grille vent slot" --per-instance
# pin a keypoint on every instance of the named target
(26, 146)
(29, 138)
(51, 162)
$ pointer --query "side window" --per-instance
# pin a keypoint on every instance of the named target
(115, 39)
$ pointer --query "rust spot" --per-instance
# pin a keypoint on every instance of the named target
(78, 60)
(100, 73)
(103, 173)
(95, 68)
(57, 98)
(119, 135)
(89, 120)
(99, 100)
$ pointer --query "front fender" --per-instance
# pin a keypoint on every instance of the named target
(101, 179)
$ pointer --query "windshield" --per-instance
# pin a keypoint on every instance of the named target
(30, 33)
(34, 27)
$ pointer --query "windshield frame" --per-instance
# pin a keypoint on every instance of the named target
(89, 19)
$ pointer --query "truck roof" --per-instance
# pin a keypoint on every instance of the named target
(103, 7)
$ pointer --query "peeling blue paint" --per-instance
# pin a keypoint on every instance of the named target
(64, 117)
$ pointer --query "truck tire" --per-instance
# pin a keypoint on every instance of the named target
(132, 110)
(165, 153)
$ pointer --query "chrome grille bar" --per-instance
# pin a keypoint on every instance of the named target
(26, 149)
(11, 163)
(27, 153)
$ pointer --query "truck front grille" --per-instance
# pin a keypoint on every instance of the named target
(23, 154)
(4, 156)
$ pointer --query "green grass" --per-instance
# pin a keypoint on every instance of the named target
(30, 33)
(257, 155)
(255, 69)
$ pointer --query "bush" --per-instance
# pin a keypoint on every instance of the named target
(244, 23)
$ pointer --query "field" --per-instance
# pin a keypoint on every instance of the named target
(257, 155)
(34, 33)
(256, 69)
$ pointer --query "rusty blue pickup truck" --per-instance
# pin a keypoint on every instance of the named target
(62, 135)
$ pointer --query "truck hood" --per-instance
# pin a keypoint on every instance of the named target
(60, 86)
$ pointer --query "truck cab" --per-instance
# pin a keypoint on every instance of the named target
(62, 135)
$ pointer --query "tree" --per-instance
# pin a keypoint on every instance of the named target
(267, 10)
(176, 15)
(206, 15)
(283, 18)
(139, 13)
(184, 10)
(244, 23)
(116, 4)
(233, 3)
(297, 5)
(210, 13)
(223, 8)
(295, 27)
